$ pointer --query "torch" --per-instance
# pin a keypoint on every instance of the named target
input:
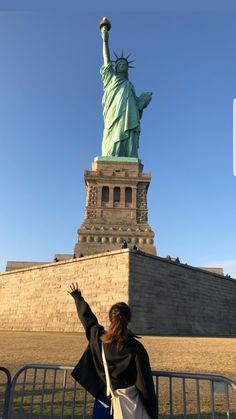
(105, 23)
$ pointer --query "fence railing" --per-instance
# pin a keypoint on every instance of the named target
(198, 395)
(43, 391)
(5, 386)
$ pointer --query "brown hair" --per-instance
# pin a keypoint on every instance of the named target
(120, 316)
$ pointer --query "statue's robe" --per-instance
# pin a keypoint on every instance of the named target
(121, 115)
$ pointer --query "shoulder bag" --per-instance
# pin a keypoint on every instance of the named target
(125, 402)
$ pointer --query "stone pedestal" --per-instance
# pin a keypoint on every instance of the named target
(116, 207)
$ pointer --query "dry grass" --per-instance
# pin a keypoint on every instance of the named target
(205, 355)
(208, 355)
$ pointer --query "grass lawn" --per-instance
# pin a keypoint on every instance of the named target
(202, 355)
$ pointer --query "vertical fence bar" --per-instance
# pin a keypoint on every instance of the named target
(227, 401)
(33, 391)
(63, 393)
(170, 396)
(53, 391)
(43, 389)
(198, 399)
(23, 391)
(184, 397)
(157, 392)
(6, 397)
(10, 400)
(212, 399)
(73, 400)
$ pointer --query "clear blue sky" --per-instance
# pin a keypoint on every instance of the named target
(51, 121)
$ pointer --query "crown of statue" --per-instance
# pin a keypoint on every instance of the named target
(124, 59)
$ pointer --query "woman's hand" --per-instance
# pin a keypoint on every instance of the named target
(74, 287)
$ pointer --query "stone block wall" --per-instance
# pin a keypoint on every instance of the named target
(174, 299)
(166, 298)
(36, 299)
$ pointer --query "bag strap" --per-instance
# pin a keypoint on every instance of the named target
(108, 381)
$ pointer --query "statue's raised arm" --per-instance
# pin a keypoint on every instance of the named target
(105, 26)
(122, 108)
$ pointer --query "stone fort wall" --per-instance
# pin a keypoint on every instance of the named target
(175, 299)
(166, 298)
(36, 298)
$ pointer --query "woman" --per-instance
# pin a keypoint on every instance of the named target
(128, 361)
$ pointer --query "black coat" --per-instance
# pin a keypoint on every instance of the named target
(127, 366)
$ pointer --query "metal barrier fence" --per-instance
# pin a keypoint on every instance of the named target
(43, 391)
(5, 386)
(49, 391)
(195, 395)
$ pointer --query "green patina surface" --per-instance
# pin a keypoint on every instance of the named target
(122, 108)
(118, 159)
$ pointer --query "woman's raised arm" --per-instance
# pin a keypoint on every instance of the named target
(86, 316)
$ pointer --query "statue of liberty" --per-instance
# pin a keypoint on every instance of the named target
(122, 109)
